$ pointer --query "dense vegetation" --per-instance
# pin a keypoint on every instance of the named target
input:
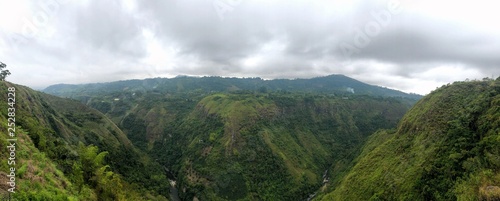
(275, 147)
(218, 138)
(67, 151)
(249, 145)
(446, 147)
(228, 142)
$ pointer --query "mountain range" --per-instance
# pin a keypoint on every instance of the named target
(334, 84)
(214, 138)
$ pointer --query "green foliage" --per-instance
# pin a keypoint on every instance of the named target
(54, 167)
(37, 177)
(446, 148)
(3, 72)
(201, 137)
(91, 169)
(257, 142)
(258, 146)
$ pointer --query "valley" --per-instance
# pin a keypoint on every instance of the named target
(263, 144)
(230, 100)
(236, 139)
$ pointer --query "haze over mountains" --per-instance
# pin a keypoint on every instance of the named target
(333, 84)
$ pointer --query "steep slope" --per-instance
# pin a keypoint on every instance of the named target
(250, 139)
(36, 174)
(446, 147)
(283, 144)
(250, 146)
(57, 133)
(332, 84)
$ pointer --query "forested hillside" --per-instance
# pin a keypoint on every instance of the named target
(447, 147)
(67, 151)
(226, 143)
(273, 147)
(249, 145)
(258, 145)
(250, 139)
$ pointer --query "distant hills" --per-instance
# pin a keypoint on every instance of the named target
(332, 84)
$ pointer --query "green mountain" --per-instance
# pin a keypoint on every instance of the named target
(215, 138)
(252, 139)
(271, 147)
(332, 84)
(446, 147)
(68, 151)
(249, 145)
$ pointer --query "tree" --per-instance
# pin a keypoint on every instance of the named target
(3, 73)
(92, 170)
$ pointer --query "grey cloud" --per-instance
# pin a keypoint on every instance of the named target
(243, 31)
(99, 35)
(105, 25)
(431, 42)
(197, 30)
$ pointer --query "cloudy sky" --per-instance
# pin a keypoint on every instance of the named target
(401, 44)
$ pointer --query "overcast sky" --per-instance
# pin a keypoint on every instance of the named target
(401, 44)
